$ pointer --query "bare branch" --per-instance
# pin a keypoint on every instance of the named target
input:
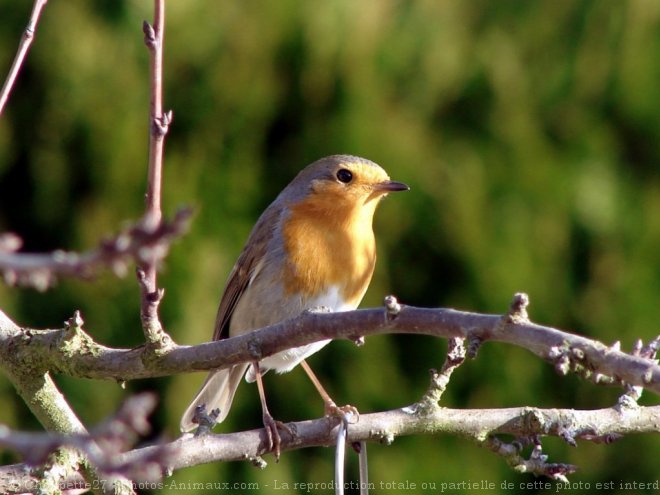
(383, 427)
(537, 464)
(102, 447)
(23, 47)
(159, 123)
(72, 351)
(634, 392)
(439, 381)
(90, 360)
(140, 241)
(40, 393)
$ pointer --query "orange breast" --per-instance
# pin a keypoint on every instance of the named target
(329, 244)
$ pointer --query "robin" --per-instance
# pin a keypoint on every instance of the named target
(313, 246)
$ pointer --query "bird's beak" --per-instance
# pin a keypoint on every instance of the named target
(389, 186)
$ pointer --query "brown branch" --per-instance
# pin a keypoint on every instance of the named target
(72, 351)
(102, 448)
(159, 122)
(40, 393)
(439, 381)
(87, 359)
(384, 427)
(23, 47)
(537, 463)
(480, 425)
(139, 241)
(82, 357)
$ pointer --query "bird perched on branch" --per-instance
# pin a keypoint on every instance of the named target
(313, 246)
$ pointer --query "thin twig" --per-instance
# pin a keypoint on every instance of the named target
(137, 241)
(158, 127)
(439, 381)
(102, 447)
(537, 463)
(23, 47)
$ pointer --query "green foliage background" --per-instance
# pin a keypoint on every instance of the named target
(529, 132)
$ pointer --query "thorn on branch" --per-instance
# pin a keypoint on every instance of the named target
(157, 296)
(152, 296)
(518, 309)
(392, 306)
(257, 461)
(628, 401)
(206, 421)
(651, 349)
(561, 360)
(74, 323)
(149, 35)
(74, 341)
(167, 118)
(160, 125)
(474, 344)
(648, 351)
(28, 34)
(516, 314)
(384, 437)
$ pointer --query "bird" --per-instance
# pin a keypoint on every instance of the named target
(313, 247)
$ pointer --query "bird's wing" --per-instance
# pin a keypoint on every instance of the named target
(247, 266)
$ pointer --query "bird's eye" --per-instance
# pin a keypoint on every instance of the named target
(344, 176)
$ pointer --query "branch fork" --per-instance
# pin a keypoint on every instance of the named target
(536, 463)
(439, 380)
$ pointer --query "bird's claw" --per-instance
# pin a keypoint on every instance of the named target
(273, 435)
(332, 409)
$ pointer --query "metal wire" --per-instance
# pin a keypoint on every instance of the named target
(364, 469)
(340, 456)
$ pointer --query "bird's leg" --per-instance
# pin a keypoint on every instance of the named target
(330, 409)
(271, 425)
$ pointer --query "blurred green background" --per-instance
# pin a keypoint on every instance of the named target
(529, 132)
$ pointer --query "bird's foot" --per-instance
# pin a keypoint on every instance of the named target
(332, 409)
(274, 441)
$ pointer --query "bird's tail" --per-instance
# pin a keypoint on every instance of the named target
(217, 391)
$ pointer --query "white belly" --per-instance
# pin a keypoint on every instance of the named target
(285, 361)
